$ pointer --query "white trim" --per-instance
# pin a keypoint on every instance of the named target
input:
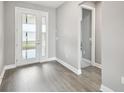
(47, 33)
(39, 14)
(86, 60)
(2, 75)
(16, 36)
(106, 89)
(4, 70)
(97, 65)
(93, 33)
(24, 64)
(73, 69)
(79, 41)
(10, 66)
(94, 64)
(48, 59)
(41, 61)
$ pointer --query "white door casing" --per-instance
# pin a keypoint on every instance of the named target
(39, 40)
(92, 35)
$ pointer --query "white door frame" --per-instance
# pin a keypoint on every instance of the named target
(16, 34)
(93, 34)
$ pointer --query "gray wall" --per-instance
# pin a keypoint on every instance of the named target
(1, 36)
(68, 22)
(10, 29)
(98, 33)
(113, 44)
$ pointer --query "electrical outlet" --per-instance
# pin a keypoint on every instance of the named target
(122, 80)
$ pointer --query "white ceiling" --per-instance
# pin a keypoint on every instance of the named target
(52, 4)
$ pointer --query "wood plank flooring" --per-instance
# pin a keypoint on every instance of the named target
(50, 77)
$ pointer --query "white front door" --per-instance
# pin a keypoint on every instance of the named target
(31, 36)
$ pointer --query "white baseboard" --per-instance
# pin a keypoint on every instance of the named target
(1, 79)
(48, 59)
(10, 66)
(94, 64)
(2, 75)
(76, 71)
(105, 89)
(43, 60)
(86, 60)
(85, 64)
(24, 64)
(97, 65)
(4, 70)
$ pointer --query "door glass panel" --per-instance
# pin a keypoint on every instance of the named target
(44, 28)
(28, 36)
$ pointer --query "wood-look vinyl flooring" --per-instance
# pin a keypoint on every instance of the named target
(50, 77)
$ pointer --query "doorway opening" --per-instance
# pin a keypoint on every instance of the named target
(87, 40)
(31, 36)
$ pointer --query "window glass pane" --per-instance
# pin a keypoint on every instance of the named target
(44, 29)
(29, 27)
(31, 36)
(31, 53)
(28, 36)
(30, 19)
